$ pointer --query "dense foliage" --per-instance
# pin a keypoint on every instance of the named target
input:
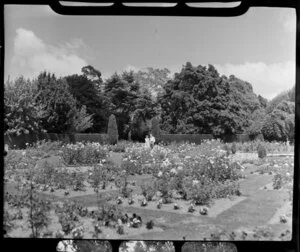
(87, 94)
(199, 100)
(196, 100)
(279, 123)
(22, 114)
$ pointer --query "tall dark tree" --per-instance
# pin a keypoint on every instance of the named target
(122, 95)
(63, 114)
(145, 110)
(22, 113)
(86, 93)
(152, 79)
(94, 76)
(283, 96)
(54, 93)
(279, 123)
(198, 100)
(263, 101)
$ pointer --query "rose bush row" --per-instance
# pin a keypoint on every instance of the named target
(83, 154)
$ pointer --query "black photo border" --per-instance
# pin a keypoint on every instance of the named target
(40, 244)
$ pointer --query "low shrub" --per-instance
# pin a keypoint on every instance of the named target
(224, 190)
(120, 230)
(49, 147)
(277, 181)
(77, 180)
(148, 191)
(162, 184)
(119, 147)
(150, 224)
(45, 174)
(233, 148)
(227, 149)
(271, 147)
(83, 154)
(261, 151)
(200, 192)
(68, 216)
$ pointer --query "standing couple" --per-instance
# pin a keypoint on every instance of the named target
(149, 141)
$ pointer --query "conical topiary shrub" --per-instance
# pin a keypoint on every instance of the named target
(155, 129)
(112, 130)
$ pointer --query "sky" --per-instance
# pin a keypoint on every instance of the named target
(258, 47)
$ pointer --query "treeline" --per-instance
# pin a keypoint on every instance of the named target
(197, 100)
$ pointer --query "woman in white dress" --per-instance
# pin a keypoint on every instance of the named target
(147, 142)
(152, 141)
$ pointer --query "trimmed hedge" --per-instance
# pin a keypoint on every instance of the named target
(99, 138)
(191, 138)
(237, 138)
(19, 142)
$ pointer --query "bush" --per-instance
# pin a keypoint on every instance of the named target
(148, 191)
(233, 148)
(261, 151)
(227, 149)
(112, 130)
(89, 153)
(48, 146)
(277, 181)
(150, 224)
(162, 184)
(119, 147)
(200, 193)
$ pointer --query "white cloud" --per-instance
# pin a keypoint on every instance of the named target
(32, 55)
(131, 68)
(267, 79)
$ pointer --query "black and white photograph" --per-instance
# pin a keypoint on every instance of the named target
(155, 128)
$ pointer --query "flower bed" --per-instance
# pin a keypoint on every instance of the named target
(189, 173)
(83, 154)
(271, 147)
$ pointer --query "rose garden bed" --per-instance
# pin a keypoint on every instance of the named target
(184, 180)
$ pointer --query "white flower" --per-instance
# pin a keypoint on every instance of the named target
(23, 153)
(195, 182)
(173, 170)
(159, 174)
